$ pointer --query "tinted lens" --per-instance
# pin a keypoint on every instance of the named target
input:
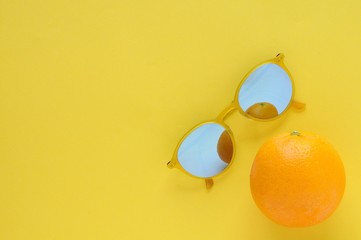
(206, 151)
(267, 92)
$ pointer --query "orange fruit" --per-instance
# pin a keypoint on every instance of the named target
(225, 147)
(262, 110)
(297, 179)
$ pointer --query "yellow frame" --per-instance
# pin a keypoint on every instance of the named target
(174, 163)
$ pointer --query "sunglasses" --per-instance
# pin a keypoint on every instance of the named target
(208, 149)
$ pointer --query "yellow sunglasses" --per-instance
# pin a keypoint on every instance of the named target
(265, 93)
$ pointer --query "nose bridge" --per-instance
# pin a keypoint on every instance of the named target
(226, 112)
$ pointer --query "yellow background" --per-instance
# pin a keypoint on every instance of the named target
(94, 96)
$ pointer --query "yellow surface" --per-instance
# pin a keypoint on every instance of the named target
(94, 96)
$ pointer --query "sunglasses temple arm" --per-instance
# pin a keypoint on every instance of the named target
(298, 105)
(209, 183)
